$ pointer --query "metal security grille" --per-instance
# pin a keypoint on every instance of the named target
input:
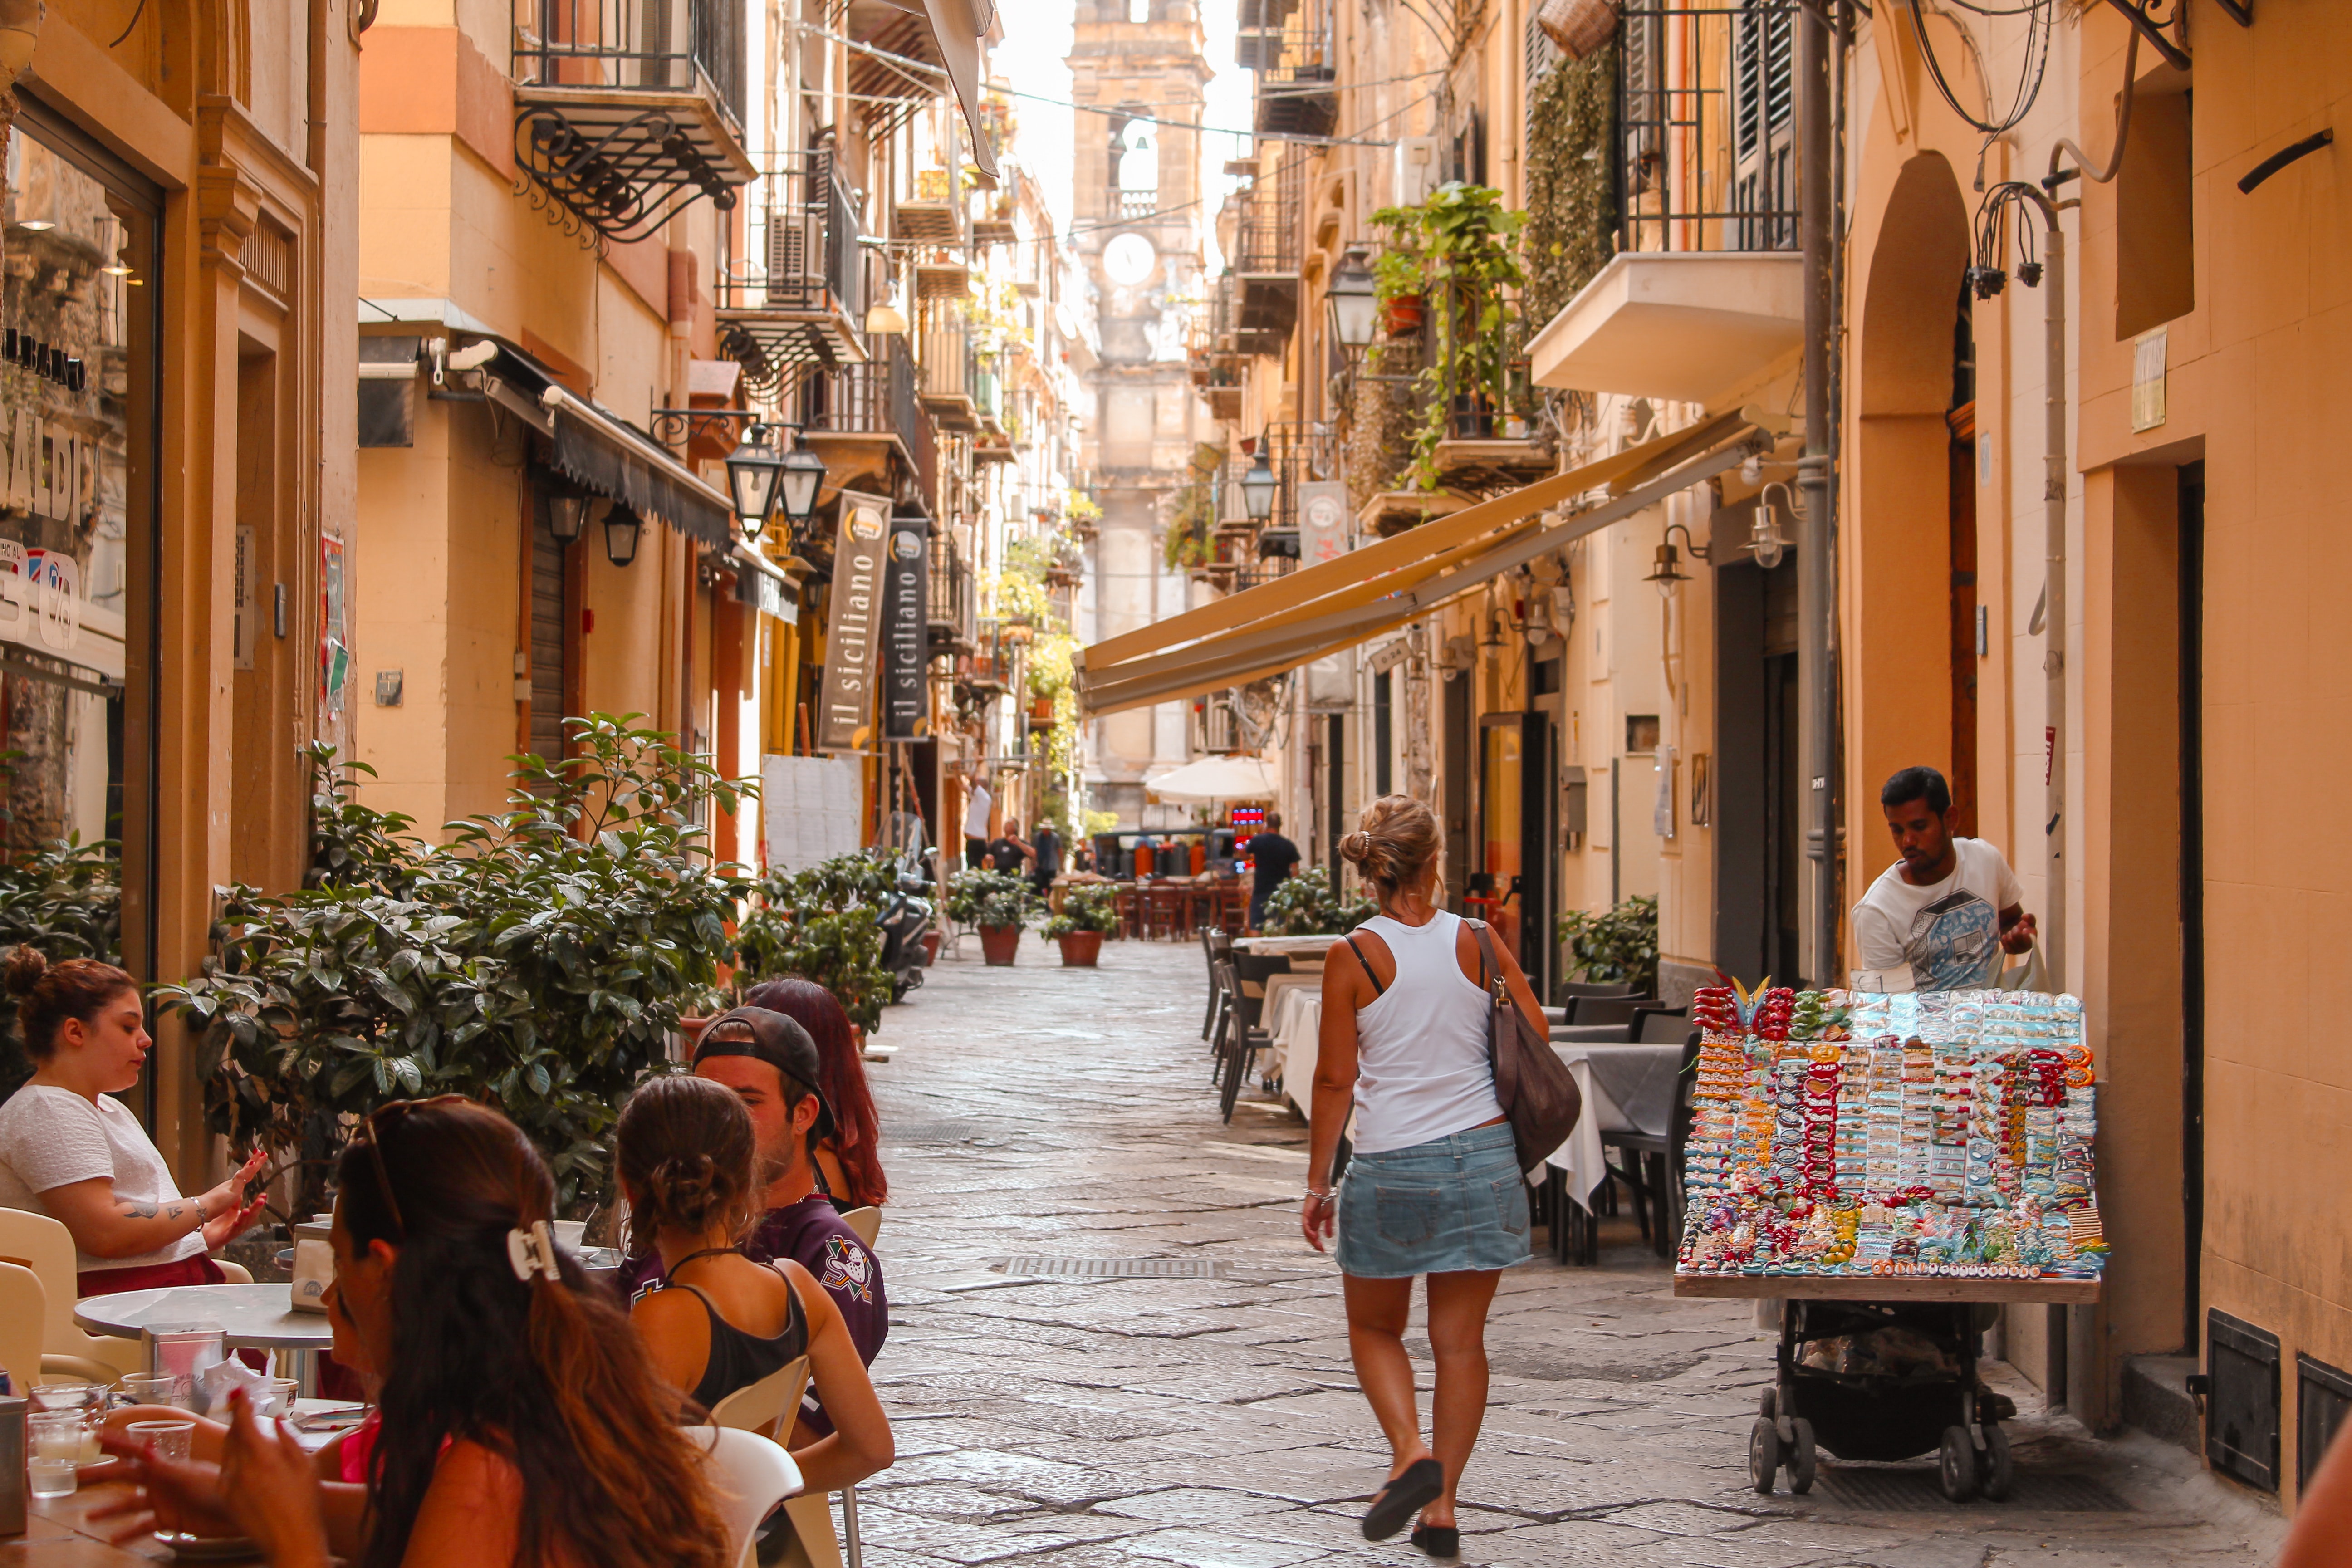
(1112, 1267)
(1916, 1492)
(550, 624)
(2242, 1413)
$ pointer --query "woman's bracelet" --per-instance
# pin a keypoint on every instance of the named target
(1322, 1193)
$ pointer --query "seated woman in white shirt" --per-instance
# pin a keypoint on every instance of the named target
(70, 1149)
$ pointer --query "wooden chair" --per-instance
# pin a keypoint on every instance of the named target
(1220, 946)
(44, 1246)
(1163, 911)
(1130, 908)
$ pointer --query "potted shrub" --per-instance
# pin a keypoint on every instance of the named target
(824, 923)
(1088, 912)
(1305, 904)
(998, 904)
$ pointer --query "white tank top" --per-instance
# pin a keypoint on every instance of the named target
(1422, 1070)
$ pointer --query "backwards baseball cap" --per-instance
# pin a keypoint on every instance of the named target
(774, 1039)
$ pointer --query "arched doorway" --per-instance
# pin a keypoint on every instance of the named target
(1911, 572)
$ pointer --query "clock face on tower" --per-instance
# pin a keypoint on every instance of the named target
(1128, 260)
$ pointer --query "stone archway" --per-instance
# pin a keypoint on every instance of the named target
(1898, 553)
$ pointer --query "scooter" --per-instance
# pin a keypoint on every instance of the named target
(905, 912)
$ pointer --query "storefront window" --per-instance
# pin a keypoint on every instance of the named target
(78, 432)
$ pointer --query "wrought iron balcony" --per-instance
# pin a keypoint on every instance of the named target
(801, 297)
(852, 414)
(1684, 78)
(1267, 256)
(948, 367)
(951, 618)
(627, 110)
(1288, 44)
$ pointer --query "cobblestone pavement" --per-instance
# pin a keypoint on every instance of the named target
(1036, 1112)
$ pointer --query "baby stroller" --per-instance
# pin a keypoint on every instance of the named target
(1883, 1381)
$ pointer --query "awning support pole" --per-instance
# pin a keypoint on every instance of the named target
(1816, 572)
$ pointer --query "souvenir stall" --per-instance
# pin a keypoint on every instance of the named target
(1887, 1167)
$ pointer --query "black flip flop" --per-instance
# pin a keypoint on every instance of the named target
(1398, 1501)
(1438, 1540)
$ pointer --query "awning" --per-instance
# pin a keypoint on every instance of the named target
(1372, 590)
(596, 447)
(1215, 778)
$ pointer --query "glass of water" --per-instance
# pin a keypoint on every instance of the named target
(156, 1388)
(87, 1400)
(55, 1444)
(165, 1439)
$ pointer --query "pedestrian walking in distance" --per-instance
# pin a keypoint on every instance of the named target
(1433, 1187)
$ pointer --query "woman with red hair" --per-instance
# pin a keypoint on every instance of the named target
(848, 1164)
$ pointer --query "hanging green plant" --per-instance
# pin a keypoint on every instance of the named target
(1571, 229)
(1458, 254)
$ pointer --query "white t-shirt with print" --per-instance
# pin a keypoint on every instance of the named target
(50, 1137)
(1947, 932)
(976, 812)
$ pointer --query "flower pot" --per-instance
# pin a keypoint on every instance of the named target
(1406, 312)
(1080, 949)
(930, 947)
(999, 943)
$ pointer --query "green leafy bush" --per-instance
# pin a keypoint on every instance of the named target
(990, 898)
(538, 961)
(66, 899)
(823, 924)
(1306, 905)
(1459, 252)
(1086, 908)
(1615, 944)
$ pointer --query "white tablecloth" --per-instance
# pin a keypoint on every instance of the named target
(1295, 946)
(1581, 1156)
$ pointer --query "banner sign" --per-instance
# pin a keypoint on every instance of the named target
(906, 705)
(1322, 522)
(854, 623)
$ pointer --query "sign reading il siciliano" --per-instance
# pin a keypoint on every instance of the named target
(905, 714)
(853, 623)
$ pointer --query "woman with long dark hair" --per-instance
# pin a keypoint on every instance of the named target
(848, 1164)
(1434, 1186)
(522, 1422)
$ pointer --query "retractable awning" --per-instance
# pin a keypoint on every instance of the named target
(1369, 591)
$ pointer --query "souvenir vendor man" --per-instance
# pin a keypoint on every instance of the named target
(1941, 917)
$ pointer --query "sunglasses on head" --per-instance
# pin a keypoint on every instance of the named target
(372, 1131)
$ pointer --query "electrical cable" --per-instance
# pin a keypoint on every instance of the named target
(2038, 38)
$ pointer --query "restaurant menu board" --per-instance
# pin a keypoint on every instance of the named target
(1936, 1134)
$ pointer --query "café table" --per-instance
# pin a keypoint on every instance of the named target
(1277, 1012)
(251, 1317)
(59, 1534)
(1314, 946)
(1626, 1089)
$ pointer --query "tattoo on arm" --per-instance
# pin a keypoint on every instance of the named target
(141, 1208)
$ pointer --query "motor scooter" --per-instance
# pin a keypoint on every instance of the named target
(906, 910)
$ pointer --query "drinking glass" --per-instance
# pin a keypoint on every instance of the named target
(167, 1439)
(54, 1442)
(156, 1388)
(86, 1401)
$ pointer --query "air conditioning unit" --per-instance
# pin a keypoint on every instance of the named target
(1417, 166)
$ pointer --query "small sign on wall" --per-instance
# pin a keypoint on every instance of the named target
(2147, 379)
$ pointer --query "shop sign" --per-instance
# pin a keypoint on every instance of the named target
(42, 608)
(1322, 522)
(46, 462)
(853, 623)
(905, 708)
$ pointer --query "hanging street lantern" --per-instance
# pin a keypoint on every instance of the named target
(566, 516)
(754, 469)
(1258, 486)
(1667, 574)
(622, 527)
(803, 478)
(1353, 299)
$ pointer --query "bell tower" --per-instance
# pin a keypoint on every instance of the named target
(1139, 71)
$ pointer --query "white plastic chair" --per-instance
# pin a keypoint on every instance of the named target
(23, 1304)
(866, 1222)
(749, 1477)
(44, 1246)
(761, 1406)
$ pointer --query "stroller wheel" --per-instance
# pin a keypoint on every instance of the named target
(1957, 1465)
(2000, 1471)
(1803, 1461)
(1763, 1454)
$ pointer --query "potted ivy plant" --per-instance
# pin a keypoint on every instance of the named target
(1088, 912)
(1457, 257)
(998, 904)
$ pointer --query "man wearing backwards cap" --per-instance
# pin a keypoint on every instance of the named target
(770, 1061)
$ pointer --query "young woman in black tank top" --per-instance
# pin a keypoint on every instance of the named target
(685, 1152)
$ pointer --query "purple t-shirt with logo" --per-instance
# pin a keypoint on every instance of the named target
(809, 1233)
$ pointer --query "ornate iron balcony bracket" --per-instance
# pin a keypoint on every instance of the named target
(624, 183)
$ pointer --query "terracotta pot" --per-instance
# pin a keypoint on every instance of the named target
(1406, 314)
(1080, 949)
(999, 943)
(930, 947)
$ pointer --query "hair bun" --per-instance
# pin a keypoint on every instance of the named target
(1356, 847)
(26, 965)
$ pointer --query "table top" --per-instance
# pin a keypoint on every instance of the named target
(1292, 944)
(59, 1534)
(255, 1317)
(1873, 1287)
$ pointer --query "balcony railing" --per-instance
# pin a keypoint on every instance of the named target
(948, 366)
(1267, 253)
(801, 298)
(1706, 127)
(626, 110)
(952, 613)
(1297, 453)
(1288, 43)
(877, 398)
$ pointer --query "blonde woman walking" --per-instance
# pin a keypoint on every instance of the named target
(1433, 1187)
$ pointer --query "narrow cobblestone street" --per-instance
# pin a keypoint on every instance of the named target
(1046, 1116)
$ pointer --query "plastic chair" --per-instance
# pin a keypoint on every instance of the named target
(1660, 1026)
(866, 1222)
(44, 1246)
(761, 1406)
(750, 1476)
(233, 1273)
(23, 1306)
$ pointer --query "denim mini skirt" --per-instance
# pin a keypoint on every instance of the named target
(1453, 1204)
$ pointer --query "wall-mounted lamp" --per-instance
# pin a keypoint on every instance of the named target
(622, 528)
(1259, 485)
(567, 516)
(1353, 300)
(1765, 539)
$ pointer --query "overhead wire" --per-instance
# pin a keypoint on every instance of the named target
(2040, 30)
